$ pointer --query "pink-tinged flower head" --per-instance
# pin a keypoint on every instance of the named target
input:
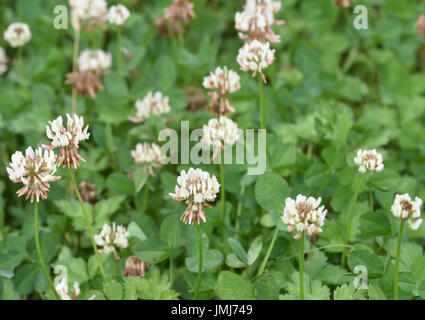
(219, 132)
(256, 20)
(407, 209)
(196, 187)
(3, 61)
(36, 170)
(343, 3)
(180, 11)
(420, 25)
(17, 34)
(67, 139)
(369, 160)
(304, 214)
(149, 156)
(255, 56)
(156, 104)
(223, 82)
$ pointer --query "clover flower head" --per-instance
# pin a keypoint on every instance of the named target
(112, 237)
(134, 267)
(219, 132)
(96, 61)
(67, 139)
(3, 61)
(87, 83)
(369, 160)
(148, 155)
(88, 12)
(255, 56)
(17, 34)
(342, 3)
(304, 214)
(256, 20)
(180, 11)
(196, 188)
(36, 170)
(407, 209)
(118, 14)
(223, 82)
(420, 25)
(156, 104)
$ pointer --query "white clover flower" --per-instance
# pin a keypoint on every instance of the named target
(156, 104)
(369, 160)
(223, 82)
(304, 214)
(67, 139)
(219, 132)
(89, 9)
(148, 155)
(111, 238)
(3, 61)
(118, 15)
(17, 34)
(94, 60)
(36, 170)
(256, 20)
(407, 209)
(196, 187)
(255, 56)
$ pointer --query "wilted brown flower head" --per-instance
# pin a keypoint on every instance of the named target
(180, 11)
(134, 267)
(87, 191)
(420, 25)
(343, 3)
(87, 83)
(196, 98)
(163, 28)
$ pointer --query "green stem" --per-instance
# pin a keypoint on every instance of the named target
(350, 219)
(89, 228)
(181, 37)
(172, 39)
(145, 196)
(119, 54)
(223, 195)
(269, 250)
(22, 71)
(397, 260)
(301, 263)
(262, 106)
(40, 256)
(200, 262)
(239, 209)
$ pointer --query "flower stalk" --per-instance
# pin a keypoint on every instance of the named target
(397, 260)
(269, 250)
(223, 194)
(350, 219)
(40, 256)
(301, 263)
(89, 227)
(200, 262)
(262, 104)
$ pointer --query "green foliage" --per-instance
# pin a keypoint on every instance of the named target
(331, 91)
